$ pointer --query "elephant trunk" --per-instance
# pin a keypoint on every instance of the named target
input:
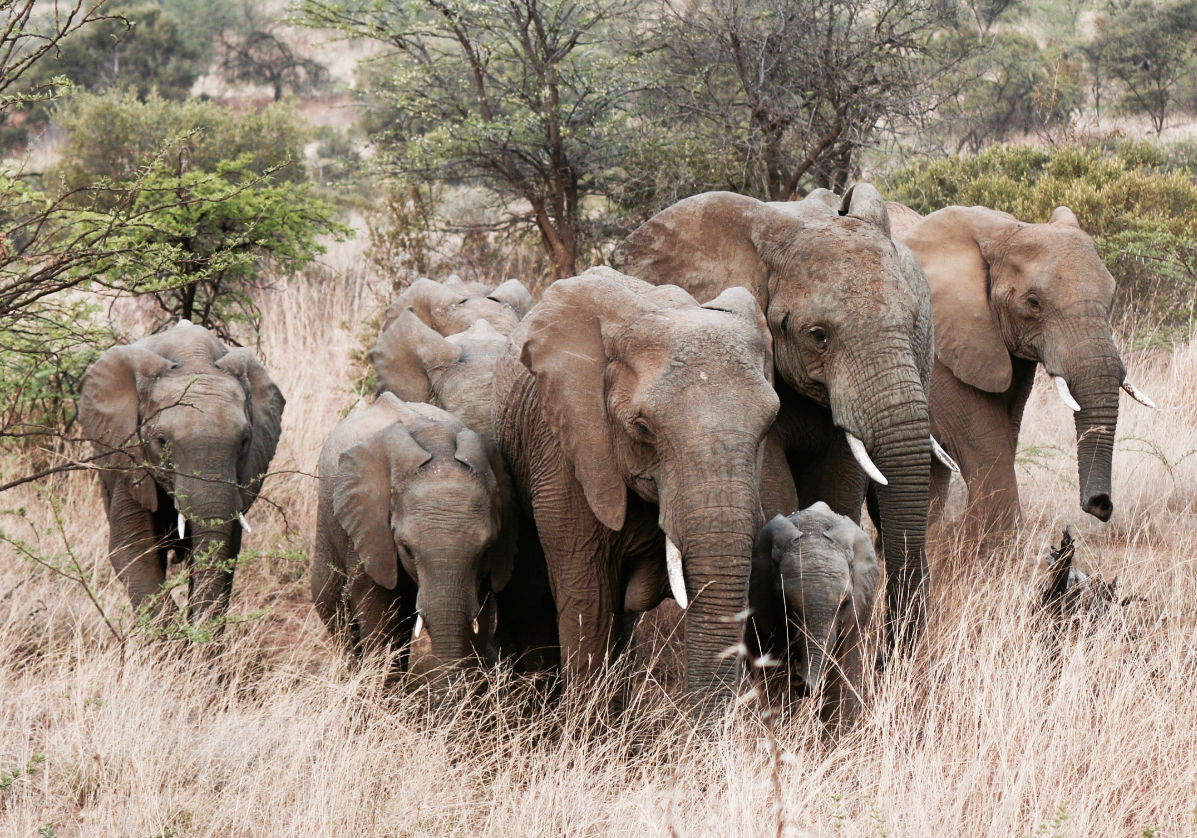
(208, 506)
(817, 641)
(714, 525)
(448, 603)
(1093, 372)
(890, 411)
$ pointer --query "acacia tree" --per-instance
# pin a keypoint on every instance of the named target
(524, 97)
(786, 93)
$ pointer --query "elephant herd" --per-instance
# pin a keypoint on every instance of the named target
(534, 476)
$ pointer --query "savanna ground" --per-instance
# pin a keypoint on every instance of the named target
(1000, 726)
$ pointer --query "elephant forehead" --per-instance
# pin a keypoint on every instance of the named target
(215, 396)
(1063, 258)
(694, 335)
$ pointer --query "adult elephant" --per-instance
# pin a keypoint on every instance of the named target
(849, 310)
(1007, 297)
(187, 428)
(633, 419)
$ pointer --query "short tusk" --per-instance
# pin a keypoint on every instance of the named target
(182, 524)
(475, 625)
(943, 456)
(862, 457)
(673, 566)
(1141, 398)
(415, 633)
(244, 523)
(1065, 396)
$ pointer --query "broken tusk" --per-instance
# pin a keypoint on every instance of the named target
(415, 633)
(943, 456)
(182, 524)
(1141, 398)
(862, 457)
(1065, 396)
(244, 523)
(673, 566)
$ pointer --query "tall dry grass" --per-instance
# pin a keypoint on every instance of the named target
(1000, 726)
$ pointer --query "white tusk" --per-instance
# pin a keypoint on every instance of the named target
(1141, 398)
(415, 633)
(862, 457)
(673, 566)
(244, 523)
(475, 625)
(1065, 396)
(943, 456)
(182, 524)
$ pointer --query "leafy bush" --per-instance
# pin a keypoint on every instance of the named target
(1139, 206)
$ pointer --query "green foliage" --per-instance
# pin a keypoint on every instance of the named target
(139, 48)
(7, 778)
(1141, 211)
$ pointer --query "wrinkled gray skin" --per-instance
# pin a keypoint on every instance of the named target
(453, 306)
(849, 309)
(629, 412)
(1009, 296)
(814, 575)
(415, 516)
(455, 373)
(206, 420)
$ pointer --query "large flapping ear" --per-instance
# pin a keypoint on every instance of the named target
(483, 457)
(952, 244)
(110, 413)
(1063, 215)
(427, 298)
(406, 351)
(863, 570)
(707, 243)
(563, 347)
(739, 301)
(515, 294)
(266, 405)
(773, 538)
(901, 219)
(863, 201)
(825, 197)
(366, 475)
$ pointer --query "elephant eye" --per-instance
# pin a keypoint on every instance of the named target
(1033, 302)
(245, 442)
(161, 440)
(642, 428)
(820, 338)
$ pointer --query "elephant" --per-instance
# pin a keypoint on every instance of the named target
(632, 419)
(416, 526)
(814, 576)
(456, 373)
(849, 310)
(454, 306)
(1008, 296)
(187, 428)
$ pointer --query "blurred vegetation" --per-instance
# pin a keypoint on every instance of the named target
(1137, 199)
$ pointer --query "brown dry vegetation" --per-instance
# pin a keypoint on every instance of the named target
(998, 727)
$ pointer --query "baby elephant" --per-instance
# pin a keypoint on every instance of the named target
(415, 528)
(814, 574)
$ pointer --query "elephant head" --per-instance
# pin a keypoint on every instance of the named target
(426, 497)
(819, 570)
(850, 313)
(449, 308)
(647, 390)
(1004, 289)
(417, 364)
(184, 420)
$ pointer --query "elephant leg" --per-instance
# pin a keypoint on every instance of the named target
(991, 516)
(526, 630)
(382, 619)
(937, 500)
(137, 555)
(585, 591)
(779, 495)
(328, 577)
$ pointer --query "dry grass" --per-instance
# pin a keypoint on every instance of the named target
(999, 727)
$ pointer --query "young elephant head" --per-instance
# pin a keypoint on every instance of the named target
(187, 423)
(1004, 289)
(417, 364)
(450, 308)
(427, 498)
(814, 575)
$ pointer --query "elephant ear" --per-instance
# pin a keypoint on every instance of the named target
(739, 300)
(863, 201)
(902, 219)
(952, 244)
(863, 568)
(825, 197)
(427, 298)
(483, 457)
(1063, 215)
(564, 349)
(773, 538)
(515, 294)
(266, 405)
(366, 475)
(110, 413)
(406, 351)
(709, 242)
